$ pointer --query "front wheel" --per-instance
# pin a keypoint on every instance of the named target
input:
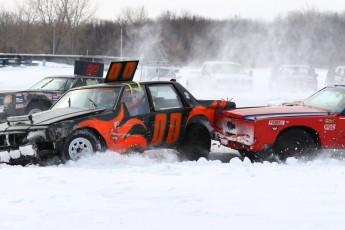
(79, 144)
(197, 143)
(295, 143)
(35, 108)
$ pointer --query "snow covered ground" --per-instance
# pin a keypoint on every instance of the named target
(155, 191)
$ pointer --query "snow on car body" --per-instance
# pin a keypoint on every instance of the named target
(285, 131)
(120, 115)
(46, 92)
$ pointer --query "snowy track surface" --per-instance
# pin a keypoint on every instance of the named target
(155, 191)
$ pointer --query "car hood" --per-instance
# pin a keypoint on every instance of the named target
(2, 92)
(8, 91)
(49, 117)
(274, 111)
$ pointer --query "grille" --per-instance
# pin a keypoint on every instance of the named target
(13, 139)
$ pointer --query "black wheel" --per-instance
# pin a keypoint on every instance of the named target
(295, 143)
(259, 156)
(197, 143)
(35, 108)
(80, 143)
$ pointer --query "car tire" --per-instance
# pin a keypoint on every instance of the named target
(79, 144)
(295, 143)
(197, 143)
(35, 108)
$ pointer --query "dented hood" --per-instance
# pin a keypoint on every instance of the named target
(274, 111)
(48, 117)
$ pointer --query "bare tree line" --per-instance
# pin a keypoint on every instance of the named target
(68, 27)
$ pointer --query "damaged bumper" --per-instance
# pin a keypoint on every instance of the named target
(24, 143)
(20, 155)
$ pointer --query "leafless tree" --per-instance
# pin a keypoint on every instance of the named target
(7, 23)
(61, 20)
(133, 15)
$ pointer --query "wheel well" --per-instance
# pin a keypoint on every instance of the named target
(309, 130)
(98, 136)
(202, 121)
(45, 103)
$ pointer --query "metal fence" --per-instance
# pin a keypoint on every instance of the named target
(16, 59)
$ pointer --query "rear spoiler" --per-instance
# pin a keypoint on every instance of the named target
(218, 104)
(89, 69)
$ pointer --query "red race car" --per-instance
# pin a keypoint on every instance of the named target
(286, 131)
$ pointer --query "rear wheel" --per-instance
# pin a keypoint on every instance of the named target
(295, 143)
(79, 144)
(197, 143)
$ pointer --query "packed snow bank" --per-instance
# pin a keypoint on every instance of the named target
(129, 192)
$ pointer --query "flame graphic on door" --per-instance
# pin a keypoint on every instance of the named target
(118, 137)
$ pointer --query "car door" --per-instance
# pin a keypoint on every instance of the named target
(169, 117)
(339, 128)
(137, 107)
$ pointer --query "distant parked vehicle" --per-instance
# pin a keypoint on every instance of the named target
(221, 74)
(336, 76)
(46, 92)
(293, 77)
(157, 71)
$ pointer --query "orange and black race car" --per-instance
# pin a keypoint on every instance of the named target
(120, 115)
(46, 92)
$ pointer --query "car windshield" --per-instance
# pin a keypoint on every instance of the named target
(296, 71)
(226, 68)
(104, 98)
(56, 84)
(331, 99)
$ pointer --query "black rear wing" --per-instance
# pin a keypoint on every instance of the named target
(218, 104)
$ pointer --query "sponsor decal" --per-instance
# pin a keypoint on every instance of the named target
(19, 100)
(329, 126)
(276, 122)
(56, 97)
(19, 106)
(329, 121)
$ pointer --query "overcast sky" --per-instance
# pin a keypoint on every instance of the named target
(217, 9)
